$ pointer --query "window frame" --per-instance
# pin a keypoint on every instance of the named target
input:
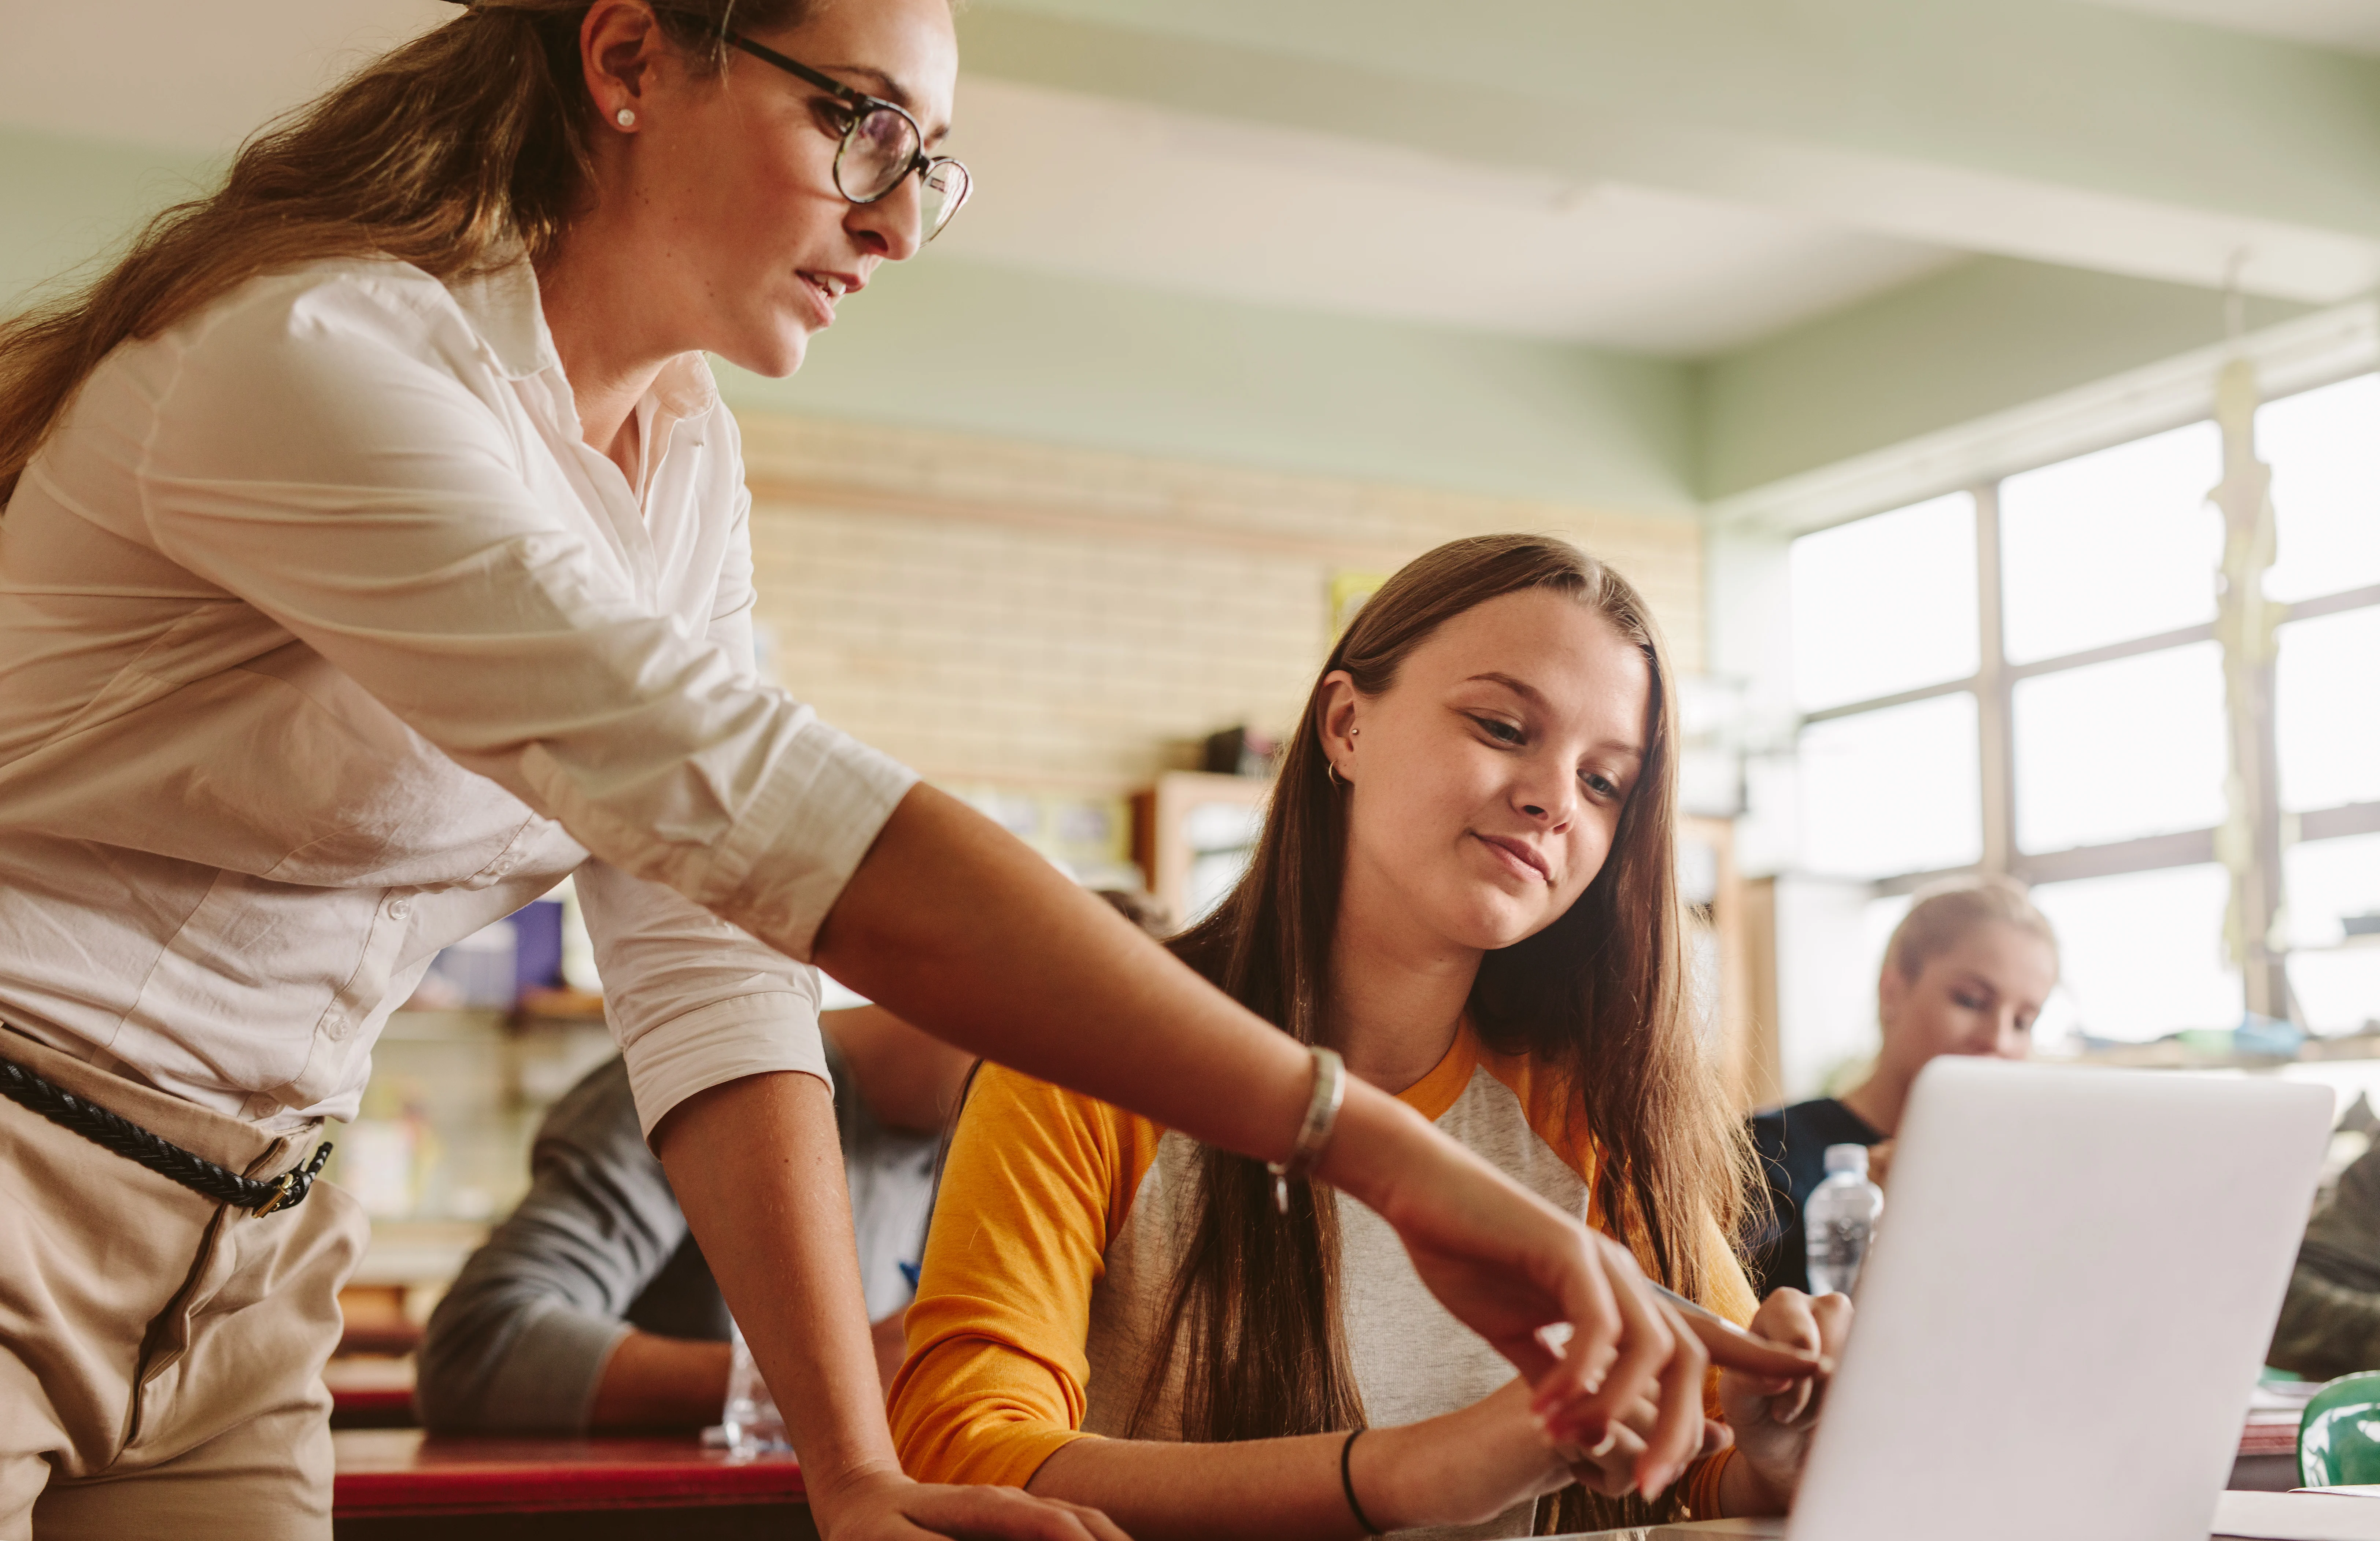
(1993, 683)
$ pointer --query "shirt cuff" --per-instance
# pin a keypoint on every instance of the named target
(546, 1383)
(751, 1035)
(829, 798)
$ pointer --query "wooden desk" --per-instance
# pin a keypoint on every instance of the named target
(397, 1484)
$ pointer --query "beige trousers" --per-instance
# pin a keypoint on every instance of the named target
(161, 1354)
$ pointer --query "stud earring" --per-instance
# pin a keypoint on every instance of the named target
(624, 117)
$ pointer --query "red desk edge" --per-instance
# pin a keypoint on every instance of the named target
(467, 1477)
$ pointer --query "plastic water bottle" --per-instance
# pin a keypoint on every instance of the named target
(1839, 1220)
(750, 1419)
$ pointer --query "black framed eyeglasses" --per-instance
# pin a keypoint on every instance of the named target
(881, 145)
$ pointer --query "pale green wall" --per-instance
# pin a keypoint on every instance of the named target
(64, 201)
(994, 350)
(1979, 338)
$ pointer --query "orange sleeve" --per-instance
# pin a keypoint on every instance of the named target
(1038, 1184)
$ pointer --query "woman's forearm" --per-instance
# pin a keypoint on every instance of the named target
(955, 926)
(755, 1166)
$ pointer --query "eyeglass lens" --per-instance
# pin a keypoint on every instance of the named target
(879, 150)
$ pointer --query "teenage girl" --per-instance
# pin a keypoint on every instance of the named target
(1465, 886)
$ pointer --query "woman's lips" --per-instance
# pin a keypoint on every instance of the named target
(1520, 857)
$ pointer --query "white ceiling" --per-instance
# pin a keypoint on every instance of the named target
(1134, 193)
(2330, 23)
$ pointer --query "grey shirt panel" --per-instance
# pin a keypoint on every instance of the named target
(2330, 1320)
(598, 1245)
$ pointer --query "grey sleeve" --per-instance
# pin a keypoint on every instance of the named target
(520, 1342)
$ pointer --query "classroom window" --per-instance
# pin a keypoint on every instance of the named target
(2141, 953)
(1910, 576)
(2112, 546)
(1891, 791)
(2324, 447)
(2106, 697)
(2115, 751)
(2329, 746)
(2333, 973)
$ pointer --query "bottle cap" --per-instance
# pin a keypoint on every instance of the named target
(1847, 1158)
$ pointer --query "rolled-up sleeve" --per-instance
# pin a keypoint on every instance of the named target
(387, 521)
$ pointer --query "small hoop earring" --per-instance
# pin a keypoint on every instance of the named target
(1331, 770)
(625, 117)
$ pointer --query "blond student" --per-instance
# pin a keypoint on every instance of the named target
(1967, 970)
(1465, 886)
(375, 554)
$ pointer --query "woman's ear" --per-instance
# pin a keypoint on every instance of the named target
(1341, 725)
(618, 43)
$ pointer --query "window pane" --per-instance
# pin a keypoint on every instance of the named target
(2111, 546)
(1885, 604)
(1892, 790)
(2325, 685)
(2142, 954)
(2324, 447)
(2336, 982)
(2114, 751)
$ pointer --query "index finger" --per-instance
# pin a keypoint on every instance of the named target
(1731, 1348)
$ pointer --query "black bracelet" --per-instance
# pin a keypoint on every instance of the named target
(1347, 1482)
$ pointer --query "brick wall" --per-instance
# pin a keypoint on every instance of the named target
(1002, 613)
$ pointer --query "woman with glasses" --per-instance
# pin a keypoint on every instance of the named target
(376, 553)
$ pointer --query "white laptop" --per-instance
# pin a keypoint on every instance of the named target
(2067, 1303)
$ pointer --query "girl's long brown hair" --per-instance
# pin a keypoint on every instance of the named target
(1598, 998)
(460, 151)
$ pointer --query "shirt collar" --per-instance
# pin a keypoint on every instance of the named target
(501, 305)
(504, 308)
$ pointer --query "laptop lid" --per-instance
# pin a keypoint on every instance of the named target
(2067, 1304)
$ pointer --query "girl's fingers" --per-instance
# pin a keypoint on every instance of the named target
(1599, 1327)
(1646, 1345)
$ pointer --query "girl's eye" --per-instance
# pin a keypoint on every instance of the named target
(1972, 1003)
(1602, 786)
(1501, 731)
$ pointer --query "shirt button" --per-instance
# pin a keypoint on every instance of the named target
(399, 908)
(336, 1023)
(503, 865)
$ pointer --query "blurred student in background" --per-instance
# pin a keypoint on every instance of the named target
(1966, 972)
(1465, 886)
(2330, 1321)
(591, 1307)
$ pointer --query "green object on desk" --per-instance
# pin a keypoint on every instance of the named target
(2339, 1437)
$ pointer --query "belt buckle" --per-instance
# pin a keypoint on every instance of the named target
(282, 1188)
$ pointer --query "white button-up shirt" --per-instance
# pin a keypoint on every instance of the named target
(325, 640)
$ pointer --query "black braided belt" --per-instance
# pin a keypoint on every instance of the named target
(160, 1155)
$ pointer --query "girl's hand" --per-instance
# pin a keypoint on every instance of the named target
(1610, 1469)
(1458, 1469)
(1773, 1418)
(1508, 1265)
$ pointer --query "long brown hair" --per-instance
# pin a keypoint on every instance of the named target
(458, 152)
(1597, 998)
